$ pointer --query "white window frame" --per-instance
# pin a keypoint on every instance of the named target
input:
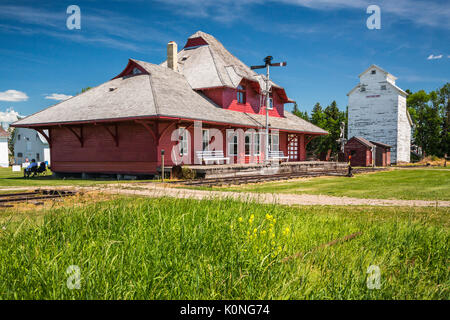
(270, 106)
(257, 144)
(271, 141)
(249, 144)
(184, 143)
(203, 139)
(232, 144)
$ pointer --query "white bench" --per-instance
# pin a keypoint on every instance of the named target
(277, 155)
(214, 156)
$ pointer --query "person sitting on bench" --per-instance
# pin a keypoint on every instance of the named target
(42, 168)
(30, 169)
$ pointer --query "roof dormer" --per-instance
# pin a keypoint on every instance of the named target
(376, 74)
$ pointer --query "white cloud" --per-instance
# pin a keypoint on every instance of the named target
(58, 96)
(13, 96)
(433, 57)
(9, 115)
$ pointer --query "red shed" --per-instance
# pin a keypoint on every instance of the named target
(382, 154)
(184, 105)
(362, 151)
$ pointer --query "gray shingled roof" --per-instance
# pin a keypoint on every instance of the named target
(365, 142)
(3, 132)
(381, 144)
(213, 65)
(158, 92)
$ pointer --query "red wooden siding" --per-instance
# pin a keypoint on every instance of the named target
(362, 155)
(136, 152)
(227, 99)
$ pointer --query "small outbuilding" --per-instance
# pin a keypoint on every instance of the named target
(382, 154)
(365, 153)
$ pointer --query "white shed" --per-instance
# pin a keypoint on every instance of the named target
(377, 112)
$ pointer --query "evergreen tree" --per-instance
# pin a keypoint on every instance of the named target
(444, 100)
(426, 115)
(300, 114)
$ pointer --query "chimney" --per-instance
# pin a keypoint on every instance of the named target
(172, 51)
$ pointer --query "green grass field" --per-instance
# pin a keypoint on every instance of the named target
(135, 248)
(15, 179)
(408, 184)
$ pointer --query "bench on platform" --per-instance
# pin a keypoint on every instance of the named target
(277, 155)
(214, 156)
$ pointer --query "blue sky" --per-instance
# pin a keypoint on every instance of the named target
(325, 42)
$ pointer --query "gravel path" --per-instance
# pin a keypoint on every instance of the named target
(153, 190)
(156, 190)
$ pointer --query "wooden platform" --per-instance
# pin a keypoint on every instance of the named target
(233, 170)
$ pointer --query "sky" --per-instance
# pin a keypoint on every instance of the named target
(326, 43)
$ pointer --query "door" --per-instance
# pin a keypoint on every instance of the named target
(293, 147)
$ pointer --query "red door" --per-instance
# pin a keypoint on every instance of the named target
(293, 147)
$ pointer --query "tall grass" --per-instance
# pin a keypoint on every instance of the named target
(406, 184)
(134, 248)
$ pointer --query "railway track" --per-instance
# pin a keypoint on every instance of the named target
(237, 180)
(255, 178)
(33, 195)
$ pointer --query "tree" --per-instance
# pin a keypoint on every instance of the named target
(425, 112)
(300, 114)
(11, 141)
(330, 120)
(317, 115)
(444, 100)
(333, 117)
(83, 90)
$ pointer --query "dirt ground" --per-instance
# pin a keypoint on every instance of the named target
(157, 190)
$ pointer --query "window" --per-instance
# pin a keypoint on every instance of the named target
(19, 155)
(205, 140)
(363, 88)
(374, 71)
(233, 145)
(136, 71)
(383, 87)
(38, 157)
(274, 141)
(270, 107)
(257, 144)
(240, 94)
(18, 137)
(183, 141)
(248, 142)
